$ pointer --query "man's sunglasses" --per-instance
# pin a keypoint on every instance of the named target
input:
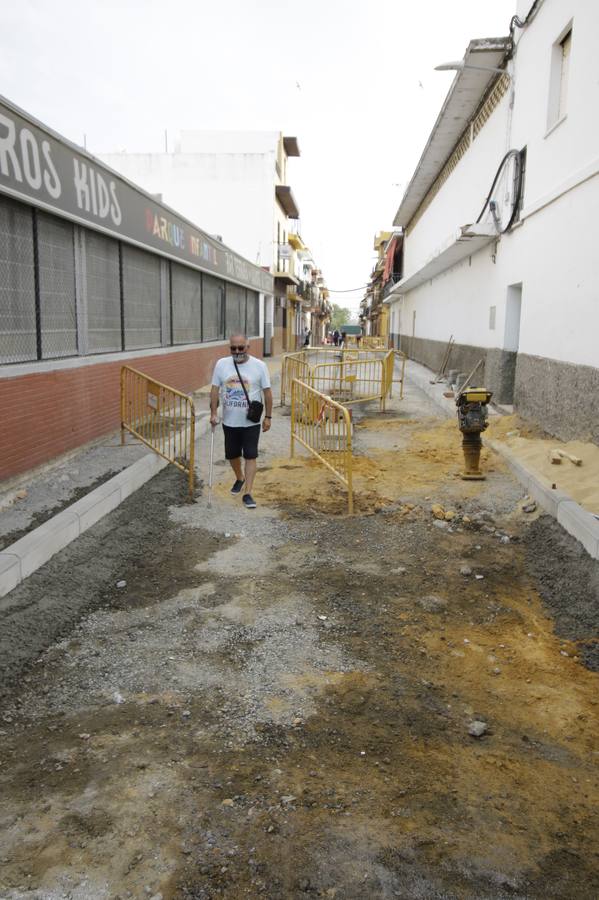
(232, 348)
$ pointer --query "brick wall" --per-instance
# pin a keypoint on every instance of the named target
(47, 413)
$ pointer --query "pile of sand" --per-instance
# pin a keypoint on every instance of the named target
(534, 450)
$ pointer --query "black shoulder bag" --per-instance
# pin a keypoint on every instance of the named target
(255, 408)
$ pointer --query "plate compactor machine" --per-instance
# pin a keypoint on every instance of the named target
(473, 417)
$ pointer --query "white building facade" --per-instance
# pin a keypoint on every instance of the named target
(502, 257)
(237, 182)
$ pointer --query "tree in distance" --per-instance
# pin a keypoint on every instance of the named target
(341, 316)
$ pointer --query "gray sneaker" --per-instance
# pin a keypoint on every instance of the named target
(248, 501)
(236, 489)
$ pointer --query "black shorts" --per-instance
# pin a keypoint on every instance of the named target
(240, 441)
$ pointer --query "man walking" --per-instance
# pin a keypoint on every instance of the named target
(241, 379)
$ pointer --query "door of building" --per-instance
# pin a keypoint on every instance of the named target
(511, 341)
(268, 325)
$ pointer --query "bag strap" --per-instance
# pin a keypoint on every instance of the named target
(242, 382)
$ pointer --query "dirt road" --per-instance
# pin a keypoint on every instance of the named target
(279, 702)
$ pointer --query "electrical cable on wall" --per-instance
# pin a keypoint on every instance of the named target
(517, 22)
(492, 203)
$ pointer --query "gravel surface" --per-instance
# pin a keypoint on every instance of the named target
(285, 703)
(568, 583)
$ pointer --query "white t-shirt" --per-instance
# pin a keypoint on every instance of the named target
(255, 377)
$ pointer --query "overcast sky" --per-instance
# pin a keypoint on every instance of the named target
(352, 79)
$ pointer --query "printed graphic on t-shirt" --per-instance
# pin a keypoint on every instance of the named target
(234, 396)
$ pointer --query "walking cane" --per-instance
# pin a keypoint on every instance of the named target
(210, 470)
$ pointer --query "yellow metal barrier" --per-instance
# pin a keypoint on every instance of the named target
(295, 365)
(397, 354)
(298, 365)
(161, 417)
(366, 342)
(323, 427)
(352, 380)
(373, 342)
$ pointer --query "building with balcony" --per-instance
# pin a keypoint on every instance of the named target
(237, 184)
(308, 303)
(374, 313)
(499, 221)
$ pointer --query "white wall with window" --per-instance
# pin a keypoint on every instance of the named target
(551, 252)
(532, 290)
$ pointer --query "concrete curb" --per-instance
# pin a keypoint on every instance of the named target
(26, 555)
(421, 377)
(577, 521)
(571, 516)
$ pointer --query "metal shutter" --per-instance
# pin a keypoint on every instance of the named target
(58, 313)
(235, 310)
(253, 314)
(18, 336)
(141, 296)
(103, 293)
(212, 308)
(186, 288)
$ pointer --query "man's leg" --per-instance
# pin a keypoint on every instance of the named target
(250, 453)
(234, 450)
(236, 466)
(250, 474)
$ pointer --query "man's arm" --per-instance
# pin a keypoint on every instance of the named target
(267, 408)
(217, 381)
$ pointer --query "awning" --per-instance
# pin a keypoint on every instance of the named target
(291, 146)
(389, 260)
(465, 96)
(287, 200)
(468, 240)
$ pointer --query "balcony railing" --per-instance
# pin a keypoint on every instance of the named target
(285, 269)
(391, 282)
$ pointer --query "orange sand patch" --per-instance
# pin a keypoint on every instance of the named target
(579, 482)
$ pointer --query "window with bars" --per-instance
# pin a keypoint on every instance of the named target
(235, 310)
(18, 329)
(63, 285)
(253, 314)
(141, 294)
(57, 303)
(213, 290)
(186, 294)
(103, 286)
